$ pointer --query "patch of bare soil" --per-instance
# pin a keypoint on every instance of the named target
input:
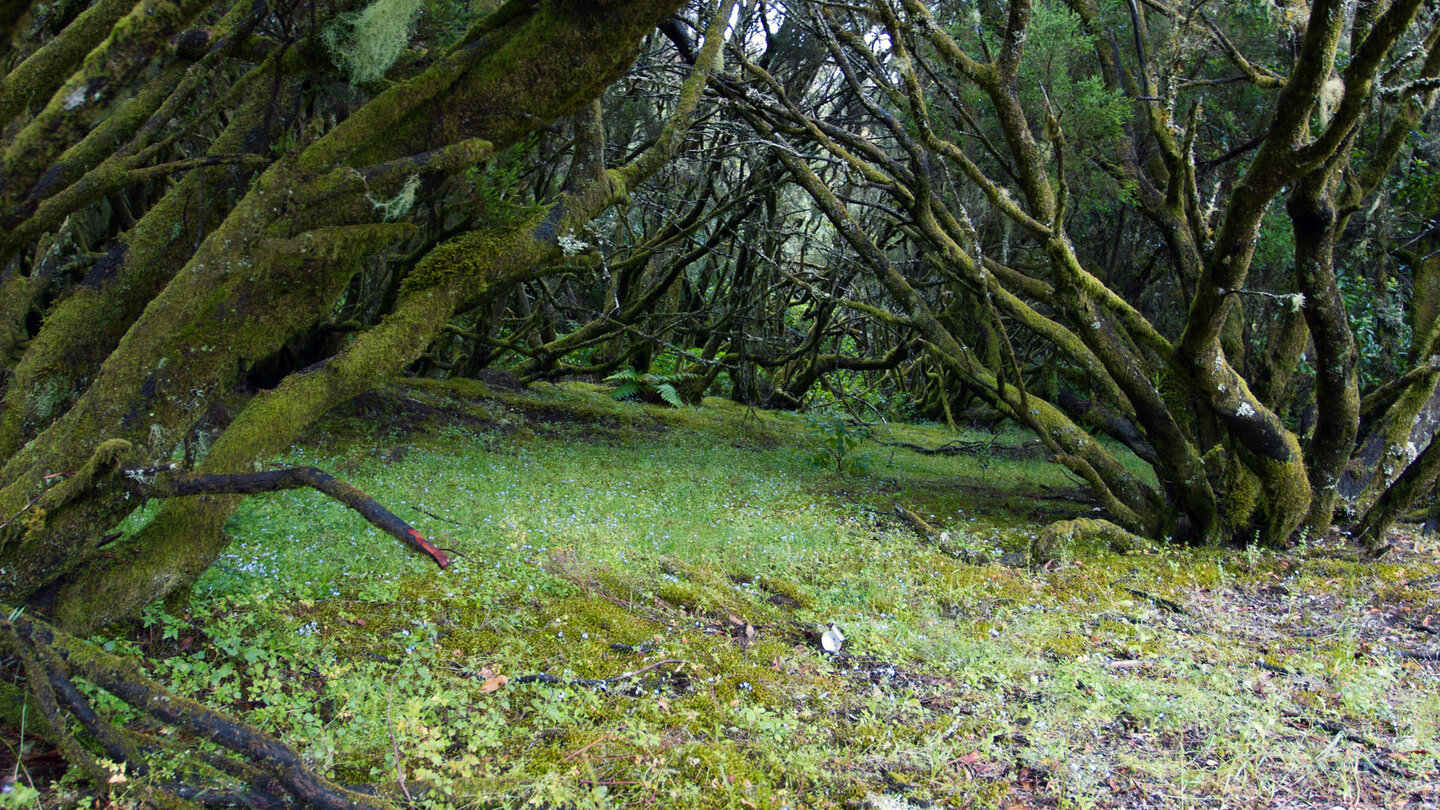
(1307, 637)
(404, 413)
(499, 379)
(1383, 617)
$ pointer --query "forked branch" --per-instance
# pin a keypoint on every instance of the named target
(295, 478)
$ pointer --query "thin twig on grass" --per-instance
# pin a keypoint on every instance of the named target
(395, 745)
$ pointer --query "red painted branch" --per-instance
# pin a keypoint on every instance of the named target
(296, 478)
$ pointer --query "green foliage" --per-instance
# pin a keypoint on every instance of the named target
(1418, 188)
(836, 439)
(1275, 251)
(497, 191)
(1382, 332)
(1058, 73)
(365, 44)
(601, 539)
(858, 390)
(20, 795)
(653, 388)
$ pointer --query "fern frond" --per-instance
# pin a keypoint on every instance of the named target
(626, 391)
(625, 375)
(668, 393)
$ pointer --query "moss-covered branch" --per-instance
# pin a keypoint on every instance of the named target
(186, 536)
(82, 102)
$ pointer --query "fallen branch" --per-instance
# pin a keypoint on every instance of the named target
(917, 523)
(52, 659)
(291, 478)
(941, 540)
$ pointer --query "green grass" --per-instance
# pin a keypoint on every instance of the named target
(599, 538)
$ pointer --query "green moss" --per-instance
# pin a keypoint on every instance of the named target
(102, 462)
(1063, 539)
(52, 395)
(786, 590)
(957, 680)
(473, 255)
(80, 330)
(682, 596)
(1242, 499)
(1064, 648)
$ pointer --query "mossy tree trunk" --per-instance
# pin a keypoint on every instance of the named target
(214, 277)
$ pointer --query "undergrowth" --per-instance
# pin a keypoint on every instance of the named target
(670, 573)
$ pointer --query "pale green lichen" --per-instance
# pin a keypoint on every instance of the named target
(365, 44)
(399, 205)
(53, 393)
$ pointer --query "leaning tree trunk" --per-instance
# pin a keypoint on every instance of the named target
(273, 266)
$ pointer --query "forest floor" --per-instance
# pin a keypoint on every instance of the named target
(681, 608)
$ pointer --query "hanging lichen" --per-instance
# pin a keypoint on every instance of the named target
(399, 205)
(365, 44)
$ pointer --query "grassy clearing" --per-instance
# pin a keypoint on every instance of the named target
(669, 574)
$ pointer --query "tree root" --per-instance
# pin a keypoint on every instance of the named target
(1057, 538)
(266, 768)
(952, 448)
